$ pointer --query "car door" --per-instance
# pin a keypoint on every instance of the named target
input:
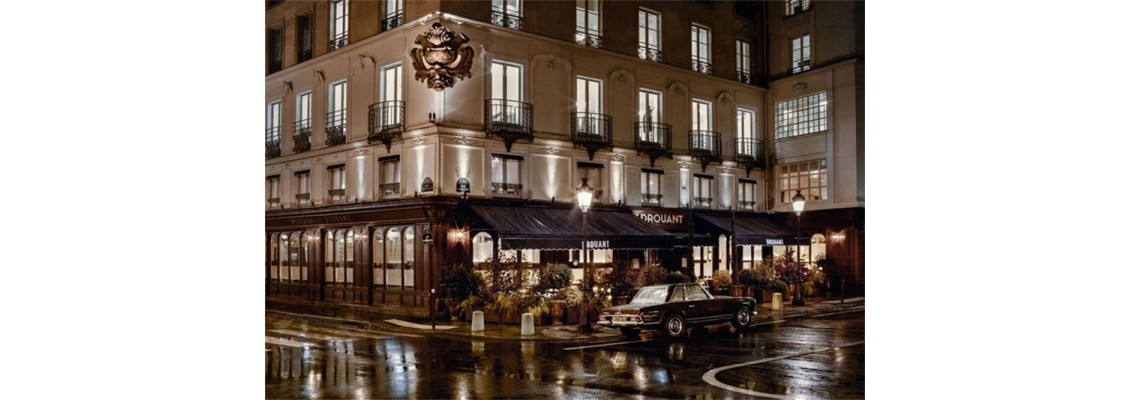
(697, 300)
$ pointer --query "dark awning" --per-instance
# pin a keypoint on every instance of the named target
(560, 228)
(755, 230)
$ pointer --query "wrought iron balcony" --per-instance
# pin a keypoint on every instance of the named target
(652, 198)
(335, 127)
(339, 42)
(705, 146)
(746, 205)
(302, 198)
(802, 66)
(274, 202)
(302, 136)
(274, 148)
(304, 55)
(750, 153)
(392, 21)
(386, 122)
(650, 53)
(389, 189)
(592, 132)
(745, 77)
(589, 39)
(337, 193)
(702, 201)
(505, 188)
(508, 20)
(701, 65)
(508, 120)
(653, 139)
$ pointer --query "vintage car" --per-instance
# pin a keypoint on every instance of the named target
(673, 308)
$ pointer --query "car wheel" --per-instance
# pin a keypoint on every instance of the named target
(742, 317)
(674, 326)
(630, 333)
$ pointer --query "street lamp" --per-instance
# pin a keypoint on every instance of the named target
(798, 207)
(584, 200)
(428, 239)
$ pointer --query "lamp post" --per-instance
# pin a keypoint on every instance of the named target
(798, 207)
(428, 239)
(584, 200)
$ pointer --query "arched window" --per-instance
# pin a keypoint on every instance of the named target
(818, 248)
(724, 252)
(273, 257)
(306, 247)
(409, 258)
(393, 258)
(483, 247)
(294, 255)
(350, 239)
(379, 258)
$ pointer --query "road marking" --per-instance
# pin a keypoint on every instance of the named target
(837, 313)
(418, 326)
(601, 345)
(307, 335)
(709, 376)
(287, 342)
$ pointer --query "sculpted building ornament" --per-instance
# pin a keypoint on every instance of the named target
(684, 165)
(617, 157)
(552, 150)
(678, 88)
(800, 87)
(725, 97)
(442, 57)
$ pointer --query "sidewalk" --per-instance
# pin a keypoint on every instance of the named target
(566, 333)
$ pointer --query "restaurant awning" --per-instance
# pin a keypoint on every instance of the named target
(560, 228)
(755, 231)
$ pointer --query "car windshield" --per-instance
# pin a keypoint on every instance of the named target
(651, 295)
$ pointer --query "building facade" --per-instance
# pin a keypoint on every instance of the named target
(402, 136)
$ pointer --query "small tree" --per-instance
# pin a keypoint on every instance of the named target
(722, 279)
(651, 275)
(677, 277)
(622, 280)
(796, 273)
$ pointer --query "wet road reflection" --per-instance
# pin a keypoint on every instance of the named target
(795, 359)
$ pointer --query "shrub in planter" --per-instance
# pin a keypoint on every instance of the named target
(651, 275)
(722, 279)
(463, 288)
(677, 277)
(622, 280)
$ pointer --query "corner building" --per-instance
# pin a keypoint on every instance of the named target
(695, 123)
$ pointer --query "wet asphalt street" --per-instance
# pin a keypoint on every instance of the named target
(820, 357)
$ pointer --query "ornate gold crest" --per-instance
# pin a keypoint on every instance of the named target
(442, 57)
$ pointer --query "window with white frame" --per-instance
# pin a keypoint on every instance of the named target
(339, 256)
(305, 45)
(651, 184)
(339, 24)
(379, 271)
(394, 259)
(506, 94)
(589, 98)
(592, 172)
(409, 258)
(506, 13)
(274, 121)
(649, 45)
(275, 49)
(702, 115)
(802, 54)
(506, 173)
(745, 126)
(302, 185)
(650, 112)
(390, 111)
(289, 257)
(588, 23)
(302, 113)
(700, 49)
(793, 7)
(746, 192)
(335, 118)
(482, 248)
(703, 190)
(336, 175)
(802, 115)
(809, 177)
(390, 176)
(394, 14)
(273, 191)
(745, 63)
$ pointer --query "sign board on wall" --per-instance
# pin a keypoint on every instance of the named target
(427, 186)
(665, 219)
(463, 185)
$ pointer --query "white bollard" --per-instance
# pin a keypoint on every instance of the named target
(477, 324)
(527, 324)
(776, 301)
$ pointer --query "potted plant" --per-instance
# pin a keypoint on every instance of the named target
(795, 273)
(748, 279)
(461, 284)
(622, 283)
(722, 281)
(553, 283)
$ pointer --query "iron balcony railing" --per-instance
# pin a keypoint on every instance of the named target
(702, 201)
(701, 65)
(802, 66)
(592, 131)
(339, 42)
(746, 204)
(392, 21)
(589, 39)
(337, 194)
(302, 135)
(304, 55)
(745, 77)
(508, 20)
(651, 197)
(653, 139)
(505, 188)
(335, 127)
(650, 53)
(274, 202)
(705, 146)
(749, 152)
(302, 197)
(274, 148)
(386, 122)
(508, 120)
(390, 188)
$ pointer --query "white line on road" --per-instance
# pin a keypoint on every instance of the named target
(601, 345)
(709, 376)
(287, 342)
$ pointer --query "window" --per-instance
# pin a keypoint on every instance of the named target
(409, 258)
(592, 172)
(817, 249)
(793, 7)
(335, 119)
(701, 115)
(745, 70)
(700, 49)
(649, 36)
(391, 81)
(302, 113)
(274, 50)
(506, 87)
(289, 257)
(745, 124)
(339, 256)
(703, 190)
(746, 143)
(651, 184)
(274, 121)
(302, 183)
(588, 23)
(746, 192)
(802, 54)
(379, 258)
(336, 175)
(802, 115)
(650, 109)
(506, 13)
(589, 95)
(273, 191)
(339, 24)
(506, 175)
(704, 261)
(390, 111)
(390, 176)
(482, 246)
(305, 38)
(394, 14)
(810, 178)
